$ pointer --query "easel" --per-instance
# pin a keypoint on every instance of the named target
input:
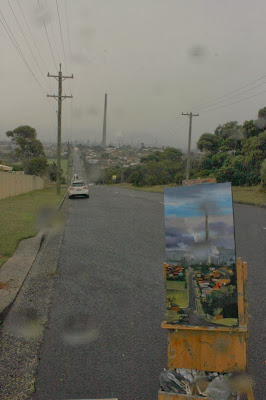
(219, 349)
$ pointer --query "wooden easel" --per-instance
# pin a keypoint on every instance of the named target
(219, 349)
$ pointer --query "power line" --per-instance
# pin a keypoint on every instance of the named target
(32, 36)
(15, 43)
(63, 46)
(42, 73)
(44, 25)
(235, 102)
(61, 34)
(227, 94)
(68, 35)
(55, 43)
(231, 97)
(36, 62)
(49, 42)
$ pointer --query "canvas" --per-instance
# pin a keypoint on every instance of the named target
(200, 264)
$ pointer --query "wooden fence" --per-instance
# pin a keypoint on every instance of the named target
(14, 183)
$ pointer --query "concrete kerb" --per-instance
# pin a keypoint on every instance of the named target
(14, 272)
(62, 201)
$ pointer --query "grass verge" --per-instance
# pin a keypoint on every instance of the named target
(19, 216)
(241, 194)
(249, 195)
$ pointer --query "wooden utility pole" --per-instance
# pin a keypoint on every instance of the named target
(60, 78)
(104, 122)
(189, 140)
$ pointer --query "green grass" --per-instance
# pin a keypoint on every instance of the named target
(18, 217)
(249, 195)
(179, 297)
(175, 285)
(241, 194)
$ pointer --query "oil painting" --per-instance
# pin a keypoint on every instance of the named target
(200, 267)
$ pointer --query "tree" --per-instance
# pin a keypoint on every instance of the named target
(27, 144)
(228, 129)
(36, 166)
(155, 156)
(29, 149)
(250, 129)
(261, 122)
(208, 142)
(171, 154)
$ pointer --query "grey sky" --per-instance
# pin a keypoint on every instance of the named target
(154, 58)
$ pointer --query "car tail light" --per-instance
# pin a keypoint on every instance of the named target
(72, 188)
(85, 187)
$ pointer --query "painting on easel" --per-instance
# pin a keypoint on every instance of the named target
(200, 255)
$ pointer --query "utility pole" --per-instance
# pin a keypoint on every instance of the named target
(68, 166)
(189, 140)
(60, 78)
(104, 122)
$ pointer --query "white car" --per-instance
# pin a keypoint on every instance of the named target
(78, 188)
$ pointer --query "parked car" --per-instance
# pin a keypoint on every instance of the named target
(78, 188)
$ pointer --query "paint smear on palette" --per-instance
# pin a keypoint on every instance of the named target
(200, 262)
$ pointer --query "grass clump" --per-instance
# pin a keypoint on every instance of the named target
(19, 215)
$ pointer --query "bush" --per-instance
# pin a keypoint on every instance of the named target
(263, 174)
(36, 166)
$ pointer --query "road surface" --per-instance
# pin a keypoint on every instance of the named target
(104, 337)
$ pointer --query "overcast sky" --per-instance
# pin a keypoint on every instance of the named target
(154, 58)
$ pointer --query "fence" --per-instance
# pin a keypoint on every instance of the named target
(14, 183)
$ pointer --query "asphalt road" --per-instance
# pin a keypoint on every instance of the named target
(104, 338)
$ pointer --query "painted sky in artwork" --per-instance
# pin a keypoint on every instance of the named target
(185, 209)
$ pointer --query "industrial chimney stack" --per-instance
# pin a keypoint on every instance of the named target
(104, 122)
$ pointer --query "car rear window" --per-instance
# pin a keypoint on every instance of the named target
(78, 184)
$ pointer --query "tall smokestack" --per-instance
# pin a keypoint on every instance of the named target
(206, 226)
(104, 122)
